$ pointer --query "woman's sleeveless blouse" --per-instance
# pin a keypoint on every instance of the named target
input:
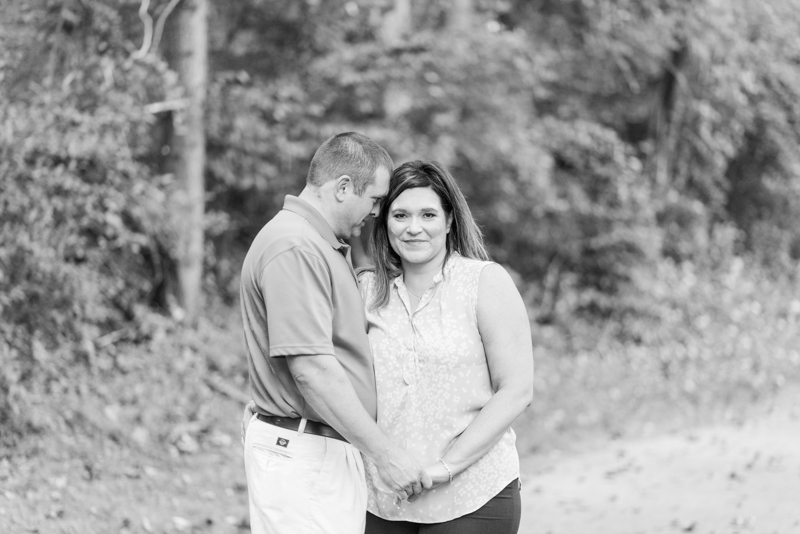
(432, 380)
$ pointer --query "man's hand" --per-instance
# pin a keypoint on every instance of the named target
(326, 388)
(402, 474)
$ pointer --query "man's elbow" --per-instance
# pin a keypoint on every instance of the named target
(308, 370)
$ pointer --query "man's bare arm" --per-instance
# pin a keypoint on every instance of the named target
(325, 387)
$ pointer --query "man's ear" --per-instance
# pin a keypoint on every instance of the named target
(343, 185)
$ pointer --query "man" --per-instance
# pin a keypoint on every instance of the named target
(309, 357)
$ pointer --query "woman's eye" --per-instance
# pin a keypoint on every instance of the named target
(429, 215)
(399, 215)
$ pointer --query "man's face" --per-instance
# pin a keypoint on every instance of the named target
(361, 207)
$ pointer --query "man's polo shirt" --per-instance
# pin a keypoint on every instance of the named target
(300, 296)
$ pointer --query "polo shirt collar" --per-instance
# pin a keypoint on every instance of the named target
(308, 212)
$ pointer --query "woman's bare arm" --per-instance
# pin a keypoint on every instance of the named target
(505, 331)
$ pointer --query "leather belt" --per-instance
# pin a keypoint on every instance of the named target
(293, 423)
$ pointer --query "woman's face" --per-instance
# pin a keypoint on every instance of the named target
(418, 226)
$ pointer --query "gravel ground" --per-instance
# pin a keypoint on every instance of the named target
(742, 477)
(738, 477)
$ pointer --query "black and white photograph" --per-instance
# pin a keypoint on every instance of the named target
(399, 267)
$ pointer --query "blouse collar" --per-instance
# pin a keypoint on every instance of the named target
(402, 290)
(448, 266)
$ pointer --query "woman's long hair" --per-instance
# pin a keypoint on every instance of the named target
(464, 237)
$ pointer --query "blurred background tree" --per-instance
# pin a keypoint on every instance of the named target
(187, 33)
(602, 144)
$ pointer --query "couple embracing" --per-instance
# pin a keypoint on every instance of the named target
(382, 398)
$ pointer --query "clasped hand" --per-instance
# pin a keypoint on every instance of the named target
(404, 476)
(400, 472)
(438, 475)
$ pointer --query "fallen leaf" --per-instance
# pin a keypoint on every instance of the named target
(181, 523)
(187, 444)
(5, 469)
(221, 439)
(112, 412)
(132, 472)
(152, 472)
(58, 482)
(140, 435)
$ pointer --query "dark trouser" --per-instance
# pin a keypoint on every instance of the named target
(498, 516)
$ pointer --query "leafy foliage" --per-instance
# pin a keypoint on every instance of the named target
(608, 134)
(83, 219)
(727, 340)
(603, 145)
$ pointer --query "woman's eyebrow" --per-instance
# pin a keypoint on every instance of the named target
(425, 209)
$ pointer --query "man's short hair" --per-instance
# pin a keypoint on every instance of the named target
(349, 153)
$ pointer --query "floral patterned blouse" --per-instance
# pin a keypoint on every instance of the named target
(433, 379)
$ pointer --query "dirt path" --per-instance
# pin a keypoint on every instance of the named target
(731, 479)
(738, 478)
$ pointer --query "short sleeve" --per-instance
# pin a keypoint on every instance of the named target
(297, 294)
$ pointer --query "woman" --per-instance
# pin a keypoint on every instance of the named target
(453, 359)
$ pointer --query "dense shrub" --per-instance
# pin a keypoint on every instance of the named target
(727, 340)
(607, 149)
(83, 226)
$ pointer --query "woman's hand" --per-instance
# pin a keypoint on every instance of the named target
(359, 247)
(439, 475)
(506, 335)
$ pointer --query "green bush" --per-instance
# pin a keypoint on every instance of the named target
(727, 340)
(83, 226)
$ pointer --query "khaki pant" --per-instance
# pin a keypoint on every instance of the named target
(302, 483)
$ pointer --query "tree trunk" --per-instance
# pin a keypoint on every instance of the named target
(664, 124)
(395, 27)
(396, 23)
(460, 18)
(188, 56)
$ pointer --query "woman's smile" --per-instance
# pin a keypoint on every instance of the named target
(418, 225)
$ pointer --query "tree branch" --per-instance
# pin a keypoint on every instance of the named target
(147, 20)
(167, 105)
(230, 391)
(162, 19)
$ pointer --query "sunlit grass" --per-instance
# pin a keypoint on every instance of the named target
(724, 343)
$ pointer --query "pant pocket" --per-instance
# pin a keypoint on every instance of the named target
(267, 455)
